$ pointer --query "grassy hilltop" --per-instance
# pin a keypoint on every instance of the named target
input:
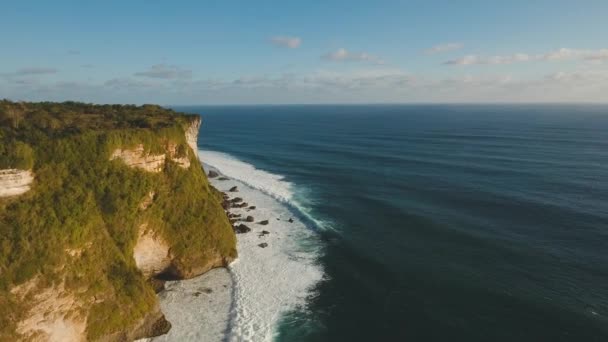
(76, 228)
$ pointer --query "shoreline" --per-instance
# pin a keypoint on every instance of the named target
(272, 275)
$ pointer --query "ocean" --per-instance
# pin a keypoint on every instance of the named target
(419, 222)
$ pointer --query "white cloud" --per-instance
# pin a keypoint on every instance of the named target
(165, 71)
(285, 41)
(31, 71)
(444, 48)
(560, 54)
(476, 60)
(343, 55)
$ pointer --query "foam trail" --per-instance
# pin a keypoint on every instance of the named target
(270, 184)
(273, 280)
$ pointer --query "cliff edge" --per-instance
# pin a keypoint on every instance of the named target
(96, 202)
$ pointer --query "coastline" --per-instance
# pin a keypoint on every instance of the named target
(273, 274)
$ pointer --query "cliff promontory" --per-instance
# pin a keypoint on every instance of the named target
(96, 204)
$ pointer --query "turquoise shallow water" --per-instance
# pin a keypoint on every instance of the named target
(460, 223)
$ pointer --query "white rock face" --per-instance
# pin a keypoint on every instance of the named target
(54, 315)
(192, 135)
(183, 162)
(15, 182)
(139, 159)
(151, 252)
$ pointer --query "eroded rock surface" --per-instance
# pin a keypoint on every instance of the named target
(138, 158)
(151, 252)
(15, 182)
(55, 315)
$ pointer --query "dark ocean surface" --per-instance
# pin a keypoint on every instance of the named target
(440, 222)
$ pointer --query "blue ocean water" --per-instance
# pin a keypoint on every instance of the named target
(440, 222)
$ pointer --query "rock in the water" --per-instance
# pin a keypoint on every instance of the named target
(252, 207)
(249, 219)
(223, 178)
(290, 220)
(212, 174)
(241, 228)
(263, 245)
(226, 204)
(236, 200)
(234, 189)
(264, 232)
(265, 222)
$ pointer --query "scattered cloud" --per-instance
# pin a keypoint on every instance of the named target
(343, 55)
(444, 48)
(31, 71)
(286, 41)
(166, 72)
(125, 82)
(560, 54)
(359, 79)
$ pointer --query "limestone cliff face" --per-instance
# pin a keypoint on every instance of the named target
(15, 182)
(117, 201)
(137, 157)
(151, 252)
(192, 135)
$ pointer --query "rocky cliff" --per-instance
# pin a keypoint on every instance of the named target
(111, 199)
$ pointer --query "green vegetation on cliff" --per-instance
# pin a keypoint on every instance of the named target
(78, 224)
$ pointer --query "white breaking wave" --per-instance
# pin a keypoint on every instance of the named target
(270, 184)
(273, 280)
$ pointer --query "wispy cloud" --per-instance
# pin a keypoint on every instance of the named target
(286, 41)
(32, 71)
(165, 71)
(343, 55)
(444, 48)
(560, 54)
(125, 82)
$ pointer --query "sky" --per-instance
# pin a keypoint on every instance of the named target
(301, 52)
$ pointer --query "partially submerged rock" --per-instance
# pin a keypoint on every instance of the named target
(249, 219)
(234, 189)
(241, 228)
(264, 222)
(212, 174)
(263, 245)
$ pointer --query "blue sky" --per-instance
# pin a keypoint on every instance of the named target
(251, 52)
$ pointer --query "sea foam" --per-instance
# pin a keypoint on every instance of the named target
(271, 281)
(266, 182)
